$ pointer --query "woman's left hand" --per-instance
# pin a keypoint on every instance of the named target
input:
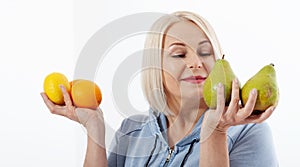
(221, 118)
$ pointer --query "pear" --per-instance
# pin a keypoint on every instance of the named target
(267, 90)
(220, 73)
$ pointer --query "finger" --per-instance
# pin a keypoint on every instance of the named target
(54, 109)
(220, 98)
(70, 109)
(235, 98)
(48, 102)
(249, 106)
(66, 95)
(220, 105)
(263, 116)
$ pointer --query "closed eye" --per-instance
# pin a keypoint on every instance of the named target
(179, 56)
(204, 54)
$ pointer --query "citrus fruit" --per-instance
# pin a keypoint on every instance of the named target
(51, 87)
(85, 94)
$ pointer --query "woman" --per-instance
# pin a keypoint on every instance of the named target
(180, 51)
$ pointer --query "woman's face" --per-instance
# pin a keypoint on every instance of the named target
(187, 60)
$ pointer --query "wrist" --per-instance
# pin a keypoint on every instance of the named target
(210, 132)
(93, 122)
(221, 129)
(215, 136)
(96, 134)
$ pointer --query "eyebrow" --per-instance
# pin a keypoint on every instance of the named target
(182, 44)
(202, 42)
(177, 43)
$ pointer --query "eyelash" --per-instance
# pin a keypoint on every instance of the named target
(183, 55)
(204, 54)
(179, 56)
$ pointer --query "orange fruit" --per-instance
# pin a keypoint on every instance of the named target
(51, 87)
(85, 94)
(71, 83)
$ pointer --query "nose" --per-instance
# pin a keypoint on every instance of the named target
(194, 62)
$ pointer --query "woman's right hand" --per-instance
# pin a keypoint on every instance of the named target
(92, 120)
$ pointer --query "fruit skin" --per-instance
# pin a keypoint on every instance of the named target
(51, 87)
(267, 89)
(221, 73)
(85, 94)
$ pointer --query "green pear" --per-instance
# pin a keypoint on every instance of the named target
(266, 85)
(220, 73)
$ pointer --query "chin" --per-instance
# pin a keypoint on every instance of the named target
(195, 95)
(194, 91)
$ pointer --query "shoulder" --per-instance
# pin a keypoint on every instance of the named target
(252, 141)
(133, 124)
(123, 137)
(240, 132)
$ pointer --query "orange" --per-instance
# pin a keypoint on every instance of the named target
(85, 94)
(51, 87)
(71, 83)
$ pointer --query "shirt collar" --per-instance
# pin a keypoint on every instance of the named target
(158, 123)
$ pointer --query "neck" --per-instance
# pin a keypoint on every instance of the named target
(186, 111)
(186, 114)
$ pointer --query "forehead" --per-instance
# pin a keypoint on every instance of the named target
(186, 32)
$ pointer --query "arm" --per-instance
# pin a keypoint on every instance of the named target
(214, 146)
(92, 120)
(213, 138)
(96, 151)
(95, 154)
(213, 143)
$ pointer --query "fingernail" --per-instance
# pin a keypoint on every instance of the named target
(236, 80)
(253, 91)
(61, 87)
(273, 108)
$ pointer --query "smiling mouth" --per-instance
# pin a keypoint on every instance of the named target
(195, 79)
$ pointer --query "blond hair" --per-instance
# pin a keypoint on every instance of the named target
(152, 79)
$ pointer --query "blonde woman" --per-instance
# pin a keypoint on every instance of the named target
(180, 51)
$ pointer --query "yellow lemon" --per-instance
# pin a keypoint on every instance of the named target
(85, 93)
(51, 87)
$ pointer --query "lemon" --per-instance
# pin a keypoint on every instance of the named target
(51, 87)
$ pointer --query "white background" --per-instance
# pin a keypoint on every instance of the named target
(38, 37)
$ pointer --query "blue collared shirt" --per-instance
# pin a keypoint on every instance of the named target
(142, 141)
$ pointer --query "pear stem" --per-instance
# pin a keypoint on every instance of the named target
(272, 64)
(223, 56)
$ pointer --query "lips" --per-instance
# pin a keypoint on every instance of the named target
(195, 79)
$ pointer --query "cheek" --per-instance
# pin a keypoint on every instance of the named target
(170, 81)
(171, 76)
(209, 63)
(173, 68)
